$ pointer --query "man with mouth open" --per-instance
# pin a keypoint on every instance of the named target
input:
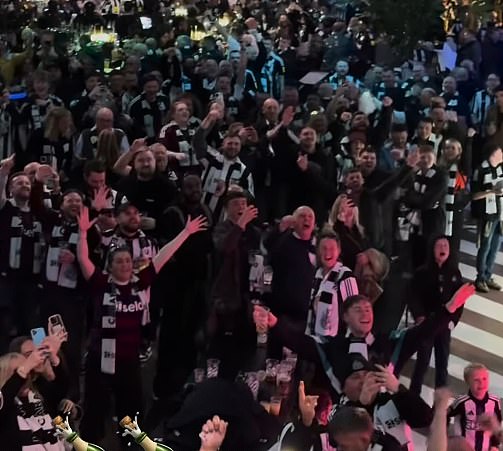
(384, 349)
(293, 260)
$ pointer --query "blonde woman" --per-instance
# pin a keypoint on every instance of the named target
(24, 421)
(107, 151)
(53, 144)
(344, 218)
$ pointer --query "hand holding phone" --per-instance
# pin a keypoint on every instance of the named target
(38, 335)
(55, 326)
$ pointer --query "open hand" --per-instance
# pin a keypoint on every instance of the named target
(100, 200)
(84, 223)
(287, 116)
(196, 225)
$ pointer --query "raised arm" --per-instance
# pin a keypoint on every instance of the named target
(86, 265)
(199, 143)
(123, 164)
(5, 169)
(167, 251)
(437, 441)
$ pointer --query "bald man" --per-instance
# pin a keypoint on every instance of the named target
(293, 259)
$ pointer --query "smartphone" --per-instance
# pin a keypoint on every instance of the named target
(55, 325)
(18, 96)
(38, 335)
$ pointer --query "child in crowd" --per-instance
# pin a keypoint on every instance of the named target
(468, 411)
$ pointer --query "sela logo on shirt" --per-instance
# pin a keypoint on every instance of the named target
(133, 307)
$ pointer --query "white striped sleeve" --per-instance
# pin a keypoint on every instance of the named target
(348, 287)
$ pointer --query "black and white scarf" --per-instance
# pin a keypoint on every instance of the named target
(140, 246)
(449, 199)
(421, 183)
(33, 116)
(109, 320)
(329, 293)
(36, 431)
(63, 236)
(151, 118)
(21, 227)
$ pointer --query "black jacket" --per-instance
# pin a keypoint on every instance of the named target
(433, 287)
(230, 292)
(294, 264)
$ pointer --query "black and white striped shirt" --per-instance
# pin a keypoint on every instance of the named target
(220, 170)
(486, 178)
(465, 410)
(481, 102)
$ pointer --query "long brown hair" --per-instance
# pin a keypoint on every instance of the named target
(107, 149)
(52, 131)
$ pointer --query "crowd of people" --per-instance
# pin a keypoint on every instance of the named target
(223, 184)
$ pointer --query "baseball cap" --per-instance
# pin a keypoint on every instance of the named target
(124, 207)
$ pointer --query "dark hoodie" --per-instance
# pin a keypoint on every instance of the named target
(434, 286)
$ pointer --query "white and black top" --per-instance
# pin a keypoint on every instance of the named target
(21, 242)
(329, 293)
(486, 178)
(177, 139)
(32, 115)
(272, 75)
(465, 411)
(63, 235)
(481, 102)
(336, 81)
(148, 117)
(219, 173)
